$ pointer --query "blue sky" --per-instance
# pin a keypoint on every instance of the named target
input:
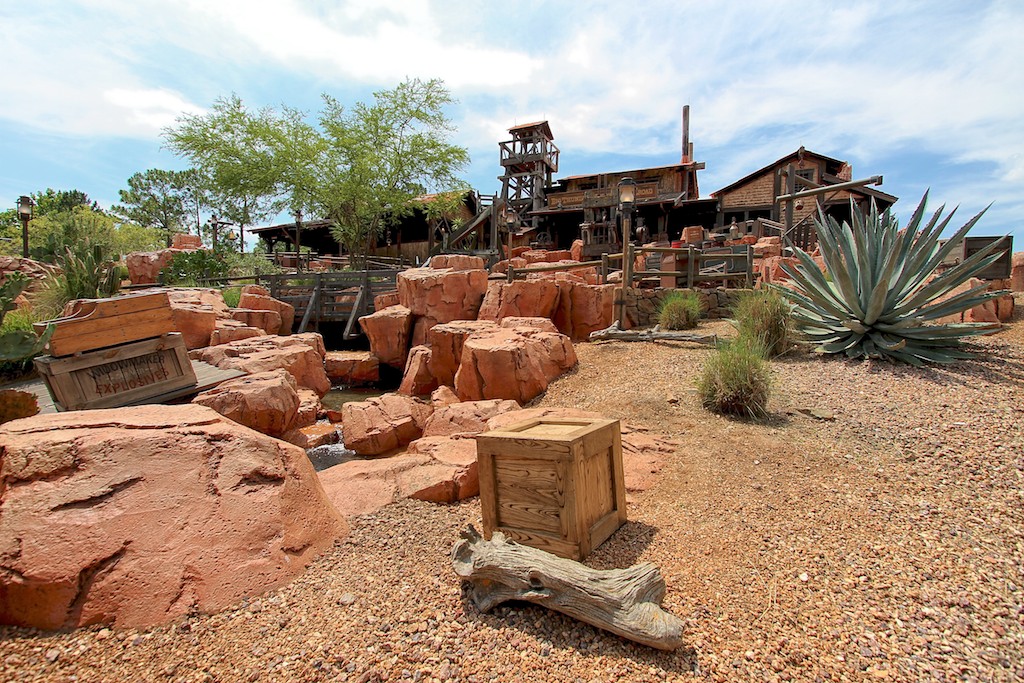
(928, 94)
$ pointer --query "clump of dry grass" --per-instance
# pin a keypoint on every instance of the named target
(736, 380)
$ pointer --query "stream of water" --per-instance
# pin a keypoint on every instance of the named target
(333, 454)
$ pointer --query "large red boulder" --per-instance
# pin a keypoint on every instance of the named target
(435, 469)
(388, 332)
(442, 294)
(583, 309)
(352, 368)
(36, 271)
(265, 401)
(446, 346)
(266, 320)
(457, 262)
(1017, 272)
(138, 516)
(515, 364)
(466, 418)
(417, 379)
(144, 266)
(260, 302)
(302, 355)
(528, 298)
(232, 330)
(382, 424)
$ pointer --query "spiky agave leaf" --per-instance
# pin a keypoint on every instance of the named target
(880, 299)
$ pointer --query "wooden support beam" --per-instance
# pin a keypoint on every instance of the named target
(626, 602)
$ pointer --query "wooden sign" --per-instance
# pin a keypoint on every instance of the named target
(120, 376)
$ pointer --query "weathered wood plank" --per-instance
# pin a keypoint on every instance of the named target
(626, 602)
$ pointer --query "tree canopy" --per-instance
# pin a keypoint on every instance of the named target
(358, 167)
(159, 199)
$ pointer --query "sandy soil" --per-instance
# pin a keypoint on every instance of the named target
(883, 539)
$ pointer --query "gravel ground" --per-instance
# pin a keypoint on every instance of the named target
(883, 539)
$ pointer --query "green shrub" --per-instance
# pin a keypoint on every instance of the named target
(191, 268)
(680, 311)
(736, 380)
(232, 295)
(18, 341)
(764, 316)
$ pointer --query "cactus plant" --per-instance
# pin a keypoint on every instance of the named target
(880, 298)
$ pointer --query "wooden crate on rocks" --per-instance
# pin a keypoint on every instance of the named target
(553, 483)
(118, 376)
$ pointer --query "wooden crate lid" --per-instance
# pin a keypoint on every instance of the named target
(550, 428)
(99, 323)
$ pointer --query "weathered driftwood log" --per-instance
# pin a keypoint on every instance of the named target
(626, 602)
(613, 332)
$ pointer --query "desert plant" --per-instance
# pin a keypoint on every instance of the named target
(232, 295)
(736, 380)
(680, 310)
(18, 342)
(87, 273)
(764, 315)
(882, 300)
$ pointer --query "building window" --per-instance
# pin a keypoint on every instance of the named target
(806, 174)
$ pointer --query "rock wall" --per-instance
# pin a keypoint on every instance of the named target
(643, 305)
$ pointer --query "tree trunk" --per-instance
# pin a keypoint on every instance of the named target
(626, 602)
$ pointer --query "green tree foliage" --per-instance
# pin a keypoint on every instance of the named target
(158, 199)
(53, 201)
(233, 150)
(357, 167)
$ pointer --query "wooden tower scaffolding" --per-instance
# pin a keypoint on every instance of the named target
(529, 160)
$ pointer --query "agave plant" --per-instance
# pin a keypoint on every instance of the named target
(880, 299)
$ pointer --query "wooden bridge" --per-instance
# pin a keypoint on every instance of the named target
(333, 296)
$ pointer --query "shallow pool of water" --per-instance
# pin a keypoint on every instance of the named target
(336, 398)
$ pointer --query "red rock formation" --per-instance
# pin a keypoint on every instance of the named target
(385, 300)
(417, 380)
(301, 355)
(382, 424)
(352, 368)
(227, 331)
(526, 298)
(144, 266)
(264, 401)
(446, 346)
(260, 302)
(388, 331)
(36, 271)
(457, 262)
(442, 294)
(583, 309)
(267, 320)
(311, 436)
(1017, 272)
(466, 418)
(576, 250)
(137, 516)
(512, 364)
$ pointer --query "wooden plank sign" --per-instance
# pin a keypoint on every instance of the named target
(118, 376)
(99, 323)
(555, 483)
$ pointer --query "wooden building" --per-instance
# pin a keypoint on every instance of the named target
(409, 237)
(755, 195)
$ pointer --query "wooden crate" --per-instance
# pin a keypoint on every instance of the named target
(100, 323)
(553, 483)
(119, 376)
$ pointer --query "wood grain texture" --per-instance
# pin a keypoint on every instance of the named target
(626, 602)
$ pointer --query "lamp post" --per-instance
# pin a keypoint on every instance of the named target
(214, 226)
(627, 199)
(25, 205)
(298, 240)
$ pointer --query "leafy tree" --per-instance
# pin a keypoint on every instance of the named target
(357, 168)
(384, 154)
(157, 199)
(10, 233)
(231, 147)
(50, 233)
(55, 201)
